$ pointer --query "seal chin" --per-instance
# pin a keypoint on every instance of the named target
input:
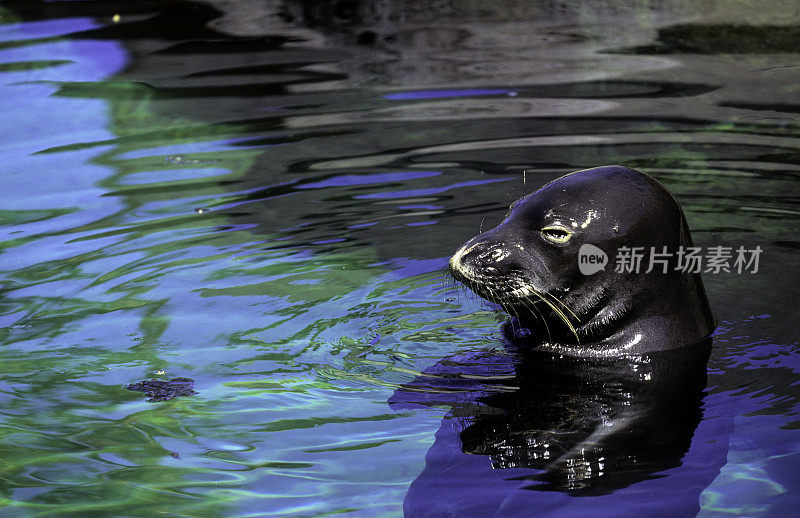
(580, 351)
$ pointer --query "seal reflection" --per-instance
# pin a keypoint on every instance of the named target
(550, 423)
(592, 426)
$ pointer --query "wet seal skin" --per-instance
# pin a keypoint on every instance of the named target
(163, 390)
(531, 265)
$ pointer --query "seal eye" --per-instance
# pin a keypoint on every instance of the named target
(557, 235)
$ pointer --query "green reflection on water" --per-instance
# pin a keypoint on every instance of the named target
(98, 318)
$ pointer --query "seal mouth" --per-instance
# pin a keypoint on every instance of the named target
(492, 271)
(504, 290)
(515, 294)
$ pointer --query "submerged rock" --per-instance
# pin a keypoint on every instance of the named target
(163, 390)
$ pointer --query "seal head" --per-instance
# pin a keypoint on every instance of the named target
(551, 265)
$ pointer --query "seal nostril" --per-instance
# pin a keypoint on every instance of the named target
(487, 258)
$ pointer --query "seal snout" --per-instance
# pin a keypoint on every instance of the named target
(487, 267)
(479, 259)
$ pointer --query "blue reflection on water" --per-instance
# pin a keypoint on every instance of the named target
(365, 179)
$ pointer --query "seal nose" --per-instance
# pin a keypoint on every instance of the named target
(483, 257)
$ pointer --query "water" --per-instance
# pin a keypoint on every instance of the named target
(261, 198)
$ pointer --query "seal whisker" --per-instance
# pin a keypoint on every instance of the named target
(466, 293)
(560, 314)
(559, 302)
(494, 297)
(509, 308)
(538, 314)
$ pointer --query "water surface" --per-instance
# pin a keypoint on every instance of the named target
(262, 199)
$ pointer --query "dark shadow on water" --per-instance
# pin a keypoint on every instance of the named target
(722, 39)
(762, 107)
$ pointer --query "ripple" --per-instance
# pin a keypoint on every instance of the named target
(269, 214)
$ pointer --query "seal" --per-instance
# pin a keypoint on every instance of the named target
(547, 264)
